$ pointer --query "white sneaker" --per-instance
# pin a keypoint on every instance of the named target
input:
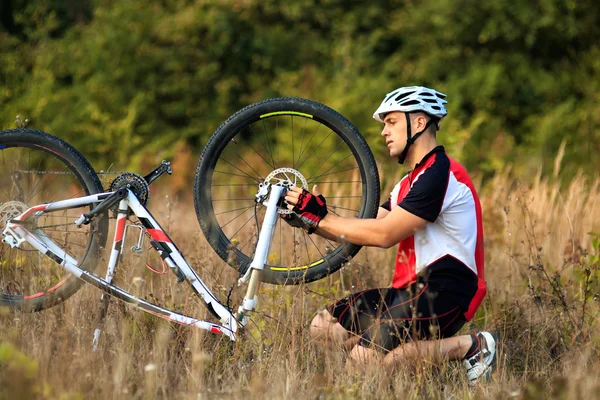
(480, 365)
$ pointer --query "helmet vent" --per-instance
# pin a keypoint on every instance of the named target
(403, 95)
(410, 103)
(391, 95)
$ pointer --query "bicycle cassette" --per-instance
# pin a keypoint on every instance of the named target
(135, 183)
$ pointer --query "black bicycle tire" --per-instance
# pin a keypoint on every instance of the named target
(98, 232)
(234, 124)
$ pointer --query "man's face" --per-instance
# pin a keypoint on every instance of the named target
(394, 132)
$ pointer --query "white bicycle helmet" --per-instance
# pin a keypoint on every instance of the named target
(410, 99)
(413, 98)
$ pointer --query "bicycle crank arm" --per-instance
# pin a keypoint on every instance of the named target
(163, 168)
(107, 203)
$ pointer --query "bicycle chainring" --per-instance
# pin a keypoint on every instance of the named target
(136, 183)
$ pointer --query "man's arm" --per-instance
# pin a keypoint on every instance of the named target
(381, 213)
(384, 232)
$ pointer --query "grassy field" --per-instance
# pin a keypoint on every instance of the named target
(542, 272)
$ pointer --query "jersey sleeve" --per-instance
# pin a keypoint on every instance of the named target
(387, 205)
(426, 196)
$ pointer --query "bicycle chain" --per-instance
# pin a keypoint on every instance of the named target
(66, 173)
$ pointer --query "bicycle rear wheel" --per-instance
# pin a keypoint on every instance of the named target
(38, 168)
(283, 139)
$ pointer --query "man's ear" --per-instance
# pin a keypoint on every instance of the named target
(419, 122)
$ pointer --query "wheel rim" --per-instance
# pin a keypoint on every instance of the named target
(271, 142)
(37, 176)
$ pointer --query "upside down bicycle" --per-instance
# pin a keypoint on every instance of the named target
(54, 212)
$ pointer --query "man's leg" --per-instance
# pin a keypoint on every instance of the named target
(325, 327)
(361, 356)
(477, 352)
(393, 337)
(351, 315)
(453, 348)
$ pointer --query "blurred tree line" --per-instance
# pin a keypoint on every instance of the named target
(127, 80)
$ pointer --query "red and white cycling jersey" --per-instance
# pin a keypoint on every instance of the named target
(440, 191)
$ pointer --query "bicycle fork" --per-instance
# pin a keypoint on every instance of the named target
(253, 274)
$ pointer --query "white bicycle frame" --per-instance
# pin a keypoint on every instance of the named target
(16, 234)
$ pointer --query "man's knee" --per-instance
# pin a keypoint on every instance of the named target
(361, 356)
(325, 325)
(390, 360)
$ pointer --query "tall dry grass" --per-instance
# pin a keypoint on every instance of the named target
(542, 272)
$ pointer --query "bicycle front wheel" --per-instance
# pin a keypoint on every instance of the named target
(283, 139)
(38, 168)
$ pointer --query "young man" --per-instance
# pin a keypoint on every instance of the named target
(434, 216)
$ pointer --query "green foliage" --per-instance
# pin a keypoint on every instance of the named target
(126, 80)
(17, 374)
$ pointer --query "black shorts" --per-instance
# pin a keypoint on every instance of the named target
(388, 317)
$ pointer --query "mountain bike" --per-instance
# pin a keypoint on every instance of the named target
(54, 212)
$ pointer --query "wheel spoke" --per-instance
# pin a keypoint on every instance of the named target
(230, 221)
(239, 198)
(307, 144)
(243, 172)
(51, 180)
(253, 170)
(235, 184)
(260, 155)
(328, 157)
(316, 246)
(54, 177)
(236, 209)
(241, 227)
(247, 242)
(232, 174)
(335, 181)
(294, 161)
(334, 207)
(317, 148)
(269, 144)
(335, 172)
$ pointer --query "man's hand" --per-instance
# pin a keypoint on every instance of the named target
(308, 208)
(293, 220)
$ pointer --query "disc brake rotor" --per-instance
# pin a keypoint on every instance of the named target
(287, 177)
(11, 210)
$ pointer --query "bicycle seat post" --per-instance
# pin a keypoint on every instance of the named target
(262, 253)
